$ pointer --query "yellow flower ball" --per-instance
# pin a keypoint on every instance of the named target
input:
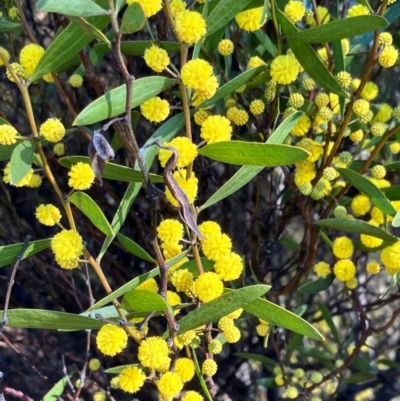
(229, 267)
(185, 368)
(8, 134)
(189, 186)
(373, 267)
(53, 130)
(156, 58)
(237, 116)
(171, 249)
(29, 57)
(150, 7)
(360, 205)
(209, 367)
(192, 396)
(343, 247)
(18, 70)
(170, 230)
(94, 364)
(370, 91)
(254, 62)
(322, 269)
(170, 384)
(35, 181)
(385, 39)
(22, 183)
(232, 335)
(216, 129)
(344, 270)
(155, 109)
(195, 73)
(131, 379)
(200, 116)
(190, 26)
(225, 47)
(75, 80)
(182, 280)
(153, 352)
(49, 79)
(284, 69)
(49, 215)
(205, 92)
(302, 126)
(257, 107)
(294, 11)
(6, 54)
(99, 396)
(148, 285)
(384, 114)
(177, 6)
(323, 14)
(262, 329)
(216, 247)
(388, 56)
(390, 257)
(250, 20)
(208, 286)
(59, 149)
(187, 152)
(111, 339)
(81, 176)
(357, 10)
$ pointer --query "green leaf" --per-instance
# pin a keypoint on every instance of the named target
(211, 311)
(358, 227)
(55, 392)
(66, 45)
(118, 369)
(46, 319)
(233, 84)
(366, 187)
(133, 19)
(316, 353)
(143, 301)
(267, 382)
(396, 220)
(340, 29)
(247, 173)
(393, 283)
(165, 133)
(113, 103)
(191, 265)
(90, 29)
(363, 365)
(21, 161)
(388, 362)
(392, 192)
(255, 357)
(254, 154)
(223, 13)
(279, 316)
(112, 171)
(134, 248)
(8, 26)
(92, 211)
(328, 318)
(309, 59)
(8, 253)
(77, 8)
(314, 287)
(360, 377)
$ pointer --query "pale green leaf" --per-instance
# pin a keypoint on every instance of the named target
(133, 19)
(143, 301)
(21, 161)
(77, 8)
(55, 392)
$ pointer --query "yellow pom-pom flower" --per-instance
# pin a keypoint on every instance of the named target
(257, 107)
(185, 368)
(153, 352)
(250, 20)
(35, 181)
(111, 339)
(344, 270)
(189, 186)
(229, 267)
(59, 149)
(177, 6)
(357, 10)
(156, 58)
(209, 367)
(18, 70)
(171, 249)
(150, 7)
(75, 80)
(170, 230)
(49, 215)
(323, 14)
(215, 346)
(170, 384)
(182, 280)
(302, 126)
(360, 205)
(6, 54)
(284, 69)
(81, 176)
(195, 73)
(208, 286)
(216, 129)
(343, 247)
(187, 152)
(225, 47)
(155, 109)
(67, 246)
(53, 130)
(94, 364)
(373, 267)
(8, 134)
(370, 91)
(25, 181)
(190, 26)
(385, 39)
(232, 335)
(29, 57)
(344, 79)
(237, 116)
(131, 379)
(390, 257)
(254, 62)
(294, 11)
(209, 228)
(388, 56)
(322, 269)
(192, 396)
(49, 79)
(262, 329)
(200, 116)
(216, 247)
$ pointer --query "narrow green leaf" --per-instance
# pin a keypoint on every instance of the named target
(66, 45)
(233, 84)
(78, 8)
(266, 42)
(360, 377)
(133, 19)
(363, 365)
(316, 353)
(47, 319)
(358, 227)
(21, 161)
(267, 382)
(328, 318)
(254, 154)
(118, 369)
(113, 103)
(388, 362)
(165, 133)
(230, 301)
(289, 243)
(90, 29)
(340, 29)
(393, 283)
(55, 392)
(309, 59)
(247, 173)
(314, 287)
(112, 171)
(191, 265)
(134, 248)
(366, 187)
(396, 220)
(92, 211)
(255, 357)
(143, 301)
(6, 26)
(224, 12)
(8, 253)
(279, 316)
(392, 192)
